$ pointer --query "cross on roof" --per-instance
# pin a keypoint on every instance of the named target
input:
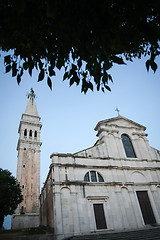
(117, 110)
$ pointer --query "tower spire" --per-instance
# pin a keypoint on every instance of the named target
(28, 166)
(31, 108)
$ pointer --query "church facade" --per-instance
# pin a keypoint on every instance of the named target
(114, 185)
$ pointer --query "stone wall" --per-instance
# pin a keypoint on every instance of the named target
(74, 199)
(46, 203)
(20, 221)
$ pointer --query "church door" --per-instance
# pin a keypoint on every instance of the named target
(99, 216)
(146, 207)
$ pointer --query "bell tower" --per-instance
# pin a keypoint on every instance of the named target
(28, 166)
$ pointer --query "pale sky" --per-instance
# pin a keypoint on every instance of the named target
(69, 117)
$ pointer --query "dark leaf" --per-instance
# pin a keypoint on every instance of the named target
(98, 87)
(79, 63)
(71, 81)
(152, 57)
(69, 74)
(31, 66)
(59, 63)
(107, 65)
(51, 71)
(49, 82)
(18, 79)
(8, 68)
(30, 71)
(84, 86)
(107, 87)
(97, 74)
(21, 72)
(72, 72)
(40, 64)
(148, 64)
(14, 69)
(65, 75)
(105, 78)
(76, 79)
(41, 75)
(90, 85)
(73, 55)
(153, 66)
(36, 65)
(66, 67)
(102, 89)
(74, 67)
(25, 65)
(7, 59)
(110, 78)
(117, 60)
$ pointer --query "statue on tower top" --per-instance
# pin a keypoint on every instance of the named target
(32, 91)
(31, 94)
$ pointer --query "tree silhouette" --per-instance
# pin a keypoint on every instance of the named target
(10, 194)
(85, 37)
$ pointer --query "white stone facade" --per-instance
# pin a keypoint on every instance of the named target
(100, 188)
(28, 167)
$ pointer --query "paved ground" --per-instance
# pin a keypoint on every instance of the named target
(30, 234)
(149, 233)
(141, 234)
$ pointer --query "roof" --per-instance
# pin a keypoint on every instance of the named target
(110, 120)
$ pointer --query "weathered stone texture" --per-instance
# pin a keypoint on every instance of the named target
(28, 167)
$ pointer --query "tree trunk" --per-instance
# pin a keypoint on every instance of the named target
(1, 220)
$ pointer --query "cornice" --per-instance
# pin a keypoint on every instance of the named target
(38, 124)
(28, 142)
(101, 184)
(29, 115)
(31, 123)
(140, 134)
(112, 131)
(111, 167)
(97, 198)
(63, 155)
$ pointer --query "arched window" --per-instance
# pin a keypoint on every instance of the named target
(30, 133)
(128, 147)
(25, 132)
(35, 134)
(93, 176)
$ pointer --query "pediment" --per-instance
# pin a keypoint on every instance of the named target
(120, 121)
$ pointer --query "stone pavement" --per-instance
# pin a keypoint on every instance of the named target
(150, 233)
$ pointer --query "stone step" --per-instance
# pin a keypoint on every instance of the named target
(140, 234)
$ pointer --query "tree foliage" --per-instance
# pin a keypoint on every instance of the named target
(10, 194)
(85, 37)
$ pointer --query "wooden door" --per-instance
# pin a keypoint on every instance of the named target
(146, 207)
(99, 216)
